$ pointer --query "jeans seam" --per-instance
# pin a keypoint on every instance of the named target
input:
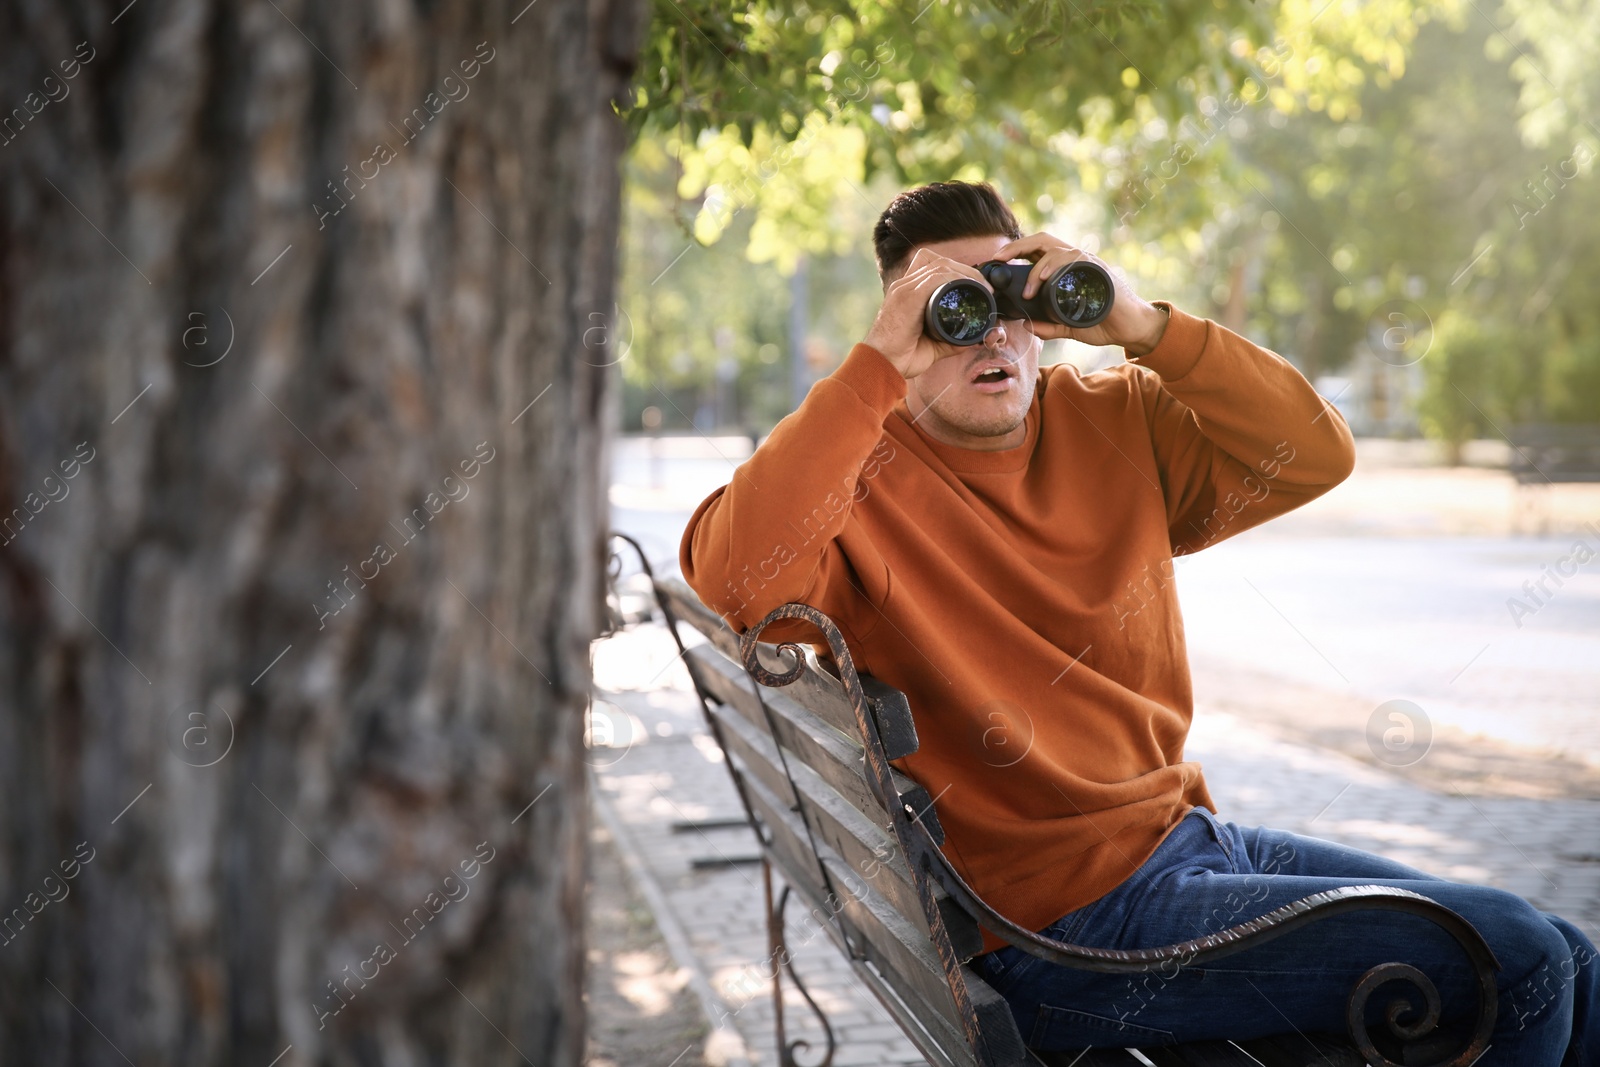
(1079, 917)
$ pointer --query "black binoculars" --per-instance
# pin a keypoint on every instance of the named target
(962, 311)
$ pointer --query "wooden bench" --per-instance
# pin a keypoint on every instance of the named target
(808, 748)
(1545, 454)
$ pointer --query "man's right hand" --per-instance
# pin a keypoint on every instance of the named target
(898, 330)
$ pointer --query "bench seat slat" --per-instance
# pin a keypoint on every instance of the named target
(864, 844)
(1290, 1050)
(1199, 1054)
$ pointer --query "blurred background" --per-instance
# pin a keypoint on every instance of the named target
(1397, 197)
(334, 339)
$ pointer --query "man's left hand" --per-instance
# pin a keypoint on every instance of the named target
(1134, 323)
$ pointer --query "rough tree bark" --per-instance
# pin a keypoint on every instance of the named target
(242, 745)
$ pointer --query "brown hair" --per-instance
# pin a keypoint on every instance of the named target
(940, 211)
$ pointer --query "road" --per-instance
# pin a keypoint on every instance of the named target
(1342, 597)
(1424, 620)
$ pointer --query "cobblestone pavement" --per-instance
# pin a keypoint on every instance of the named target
(655, 765)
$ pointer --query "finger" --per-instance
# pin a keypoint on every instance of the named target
(911, 273)
(910, 279)
(915, 289)
(940, 270)
(1043, 268)
(925, 257)
(927, 280)
(1063, 255)
(957, 266)
(1051, 331)
(1023, 245)
(1027, 247)
(908, 270)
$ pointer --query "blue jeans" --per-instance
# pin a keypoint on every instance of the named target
(1209, 875)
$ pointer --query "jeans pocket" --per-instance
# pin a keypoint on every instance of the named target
(1057, 1029)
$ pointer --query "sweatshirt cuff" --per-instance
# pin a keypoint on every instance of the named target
(1180, 346)
(871, 376)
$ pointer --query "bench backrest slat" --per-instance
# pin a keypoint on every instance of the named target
(867, 848)
(850, 832)
(906, 958)
(901, 953)
(818, 691)
(1555, 452)
(836, 756)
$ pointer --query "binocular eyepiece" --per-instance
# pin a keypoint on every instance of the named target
(962, 311)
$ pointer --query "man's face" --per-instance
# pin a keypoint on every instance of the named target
(945, 400)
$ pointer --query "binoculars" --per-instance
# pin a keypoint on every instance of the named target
(962, 311)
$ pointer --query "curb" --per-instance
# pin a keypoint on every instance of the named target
(724, 1046)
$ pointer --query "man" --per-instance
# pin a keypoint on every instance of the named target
(996, 539)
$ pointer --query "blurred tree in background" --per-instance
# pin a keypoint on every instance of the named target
(1396, 191)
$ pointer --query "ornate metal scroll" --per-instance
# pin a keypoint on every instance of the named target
(779, 954)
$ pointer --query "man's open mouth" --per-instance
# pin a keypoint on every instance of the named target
(993, 373)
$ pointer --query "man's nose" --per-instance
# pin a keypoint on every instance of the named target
(996, 337)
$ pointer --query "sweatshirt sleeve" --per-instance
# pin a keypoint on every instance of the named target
(771, 535)
(1240, 436)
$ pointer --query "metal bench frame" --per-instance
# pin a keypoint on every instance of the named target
(986, 1026)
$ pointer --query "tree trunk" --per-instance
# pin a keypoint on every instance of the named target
(302, 425)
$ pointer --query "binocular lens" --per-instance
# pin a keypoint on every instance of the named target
(1082, 294)
(961, 312)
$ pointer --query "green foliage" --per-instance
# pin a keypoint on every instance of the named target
(680, 332)
(934, 90)
(1289, 167)
(693, 312)
(1550, 45)
(1473, 383)
(791, 108)
(1435, 189)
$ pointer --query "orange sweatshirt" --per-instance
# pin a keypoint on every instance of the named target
(1023, 599)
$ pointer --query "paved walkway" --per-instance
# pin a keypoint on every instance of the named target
(655, 765)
